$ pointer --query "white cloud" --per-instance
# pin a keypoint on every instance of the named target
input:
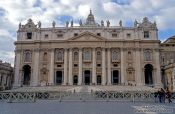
(15, 11)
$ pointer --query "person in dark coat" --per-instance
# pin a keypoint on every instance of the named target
(156, 96)
(169, 95)
(160, 95)
(163, 95)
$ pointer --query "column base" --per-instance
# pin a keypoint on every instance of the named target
(16, 86)
(159, 85)
(34, 84)
(139, 84)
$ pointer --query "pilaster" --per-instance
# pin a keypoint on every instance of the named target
(80, 67)
(70, 67)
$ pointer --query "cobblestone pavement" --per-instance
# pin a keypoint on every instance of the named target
(56, 107)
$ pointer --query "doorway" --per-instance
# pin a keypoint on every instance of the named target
(115, 77)
(26, 74)
(59, 77)
(99, 80)
(148, 74)
(75, 80)
(87, 77)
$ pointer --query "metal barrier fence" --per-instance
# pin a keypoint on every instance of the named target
(76, 96)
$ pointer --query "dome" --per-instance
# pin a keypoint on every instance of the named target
(90, 21)
(90, 17)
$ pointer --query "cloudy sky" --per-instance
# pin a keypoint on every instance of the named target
(12, 12)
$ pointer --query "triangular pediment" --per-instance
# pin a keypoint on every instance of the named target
(87, 36)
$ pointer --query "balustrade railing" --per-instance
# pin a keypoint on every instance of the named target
(76, 96)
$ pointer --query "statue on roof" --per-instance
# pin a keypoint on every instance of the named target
(39, 24)
(72, 23)
(53, 24)
(67, 23)
(120, 23)
(108, 23)
(155, 24)
(20, 25)
(80, 23)
(135, 23)
(102, 23)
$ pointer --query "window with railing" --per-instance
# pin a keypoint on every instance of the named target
(59, 55)
(27, 56)
(87, 55)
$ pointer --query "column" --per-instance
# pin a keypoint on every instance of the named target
(51, 70)
(17, 79)
(109, 66)
(138, 69)
(65, 67)
(122, 66)
(158, 71)
(0, 79)
(70, 67)
(80, 67)
(173, 78)
(35, 68)
(94, 67)
(103, 67)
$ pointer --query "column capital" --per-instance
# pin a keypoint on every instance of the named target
(93, 49)
(80, 49)
(65, 49)
(104, 48)
(70, 49)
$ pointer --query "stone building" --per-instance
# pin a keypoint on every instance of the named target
(6, 75)
(168, 63)
(88, 54)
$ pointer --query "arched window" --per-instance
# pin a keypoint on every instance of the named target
(98, 55)
(115, 55)
(27, 56)
(45, 56)
(75, 56)
(87, 55)
(147, 56)
(129, 55)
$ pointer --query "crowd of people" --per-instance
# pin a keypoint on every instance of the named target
(161, 95)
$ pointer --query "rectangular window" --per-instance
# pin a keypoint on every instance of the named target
(46, 36)
(98, 34)
(114, 35)
(98, 65)
(115, 65)
(29, 35)
(75, 65)
(128, 35)
(58, 65)
(146, 34)
(75, 34)
(59, 35)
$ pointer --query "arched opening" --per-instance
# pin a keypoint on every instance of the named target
(26, 74)
(75, 80)
(99, 80)
(75, 56)
(45, 56)
(59, 78)
(148, 74)
(115, 77)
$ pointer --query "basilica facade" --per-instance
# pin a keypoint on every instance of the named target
(88, 54)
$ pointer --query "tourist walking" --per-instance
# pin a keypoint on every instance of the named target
(169, 95)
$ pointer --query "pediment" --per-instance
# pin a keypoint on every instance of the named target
(87, 36)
